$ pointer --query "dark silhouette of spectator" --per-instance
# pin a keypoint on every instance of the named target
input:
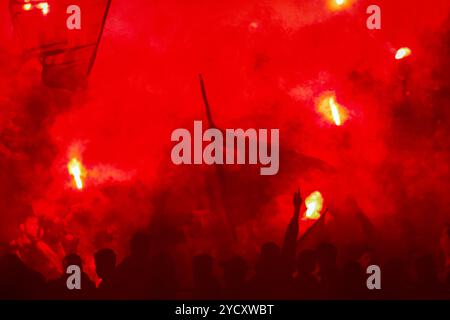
(269, 280)
(235, 272)
(17, 281)
(133, 278)
(163, 277)
(395, 281)
(447, 285)
(328, 270)
(105, 267)
(306, 285)
(427, 284)
(279, 274)
(274, 268)
(290, 239)
(352, 282)
(57, 288)
(206, 285)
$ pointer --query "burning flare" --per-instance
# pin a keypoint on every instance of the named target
(314, 205)
(43, 6)
(332, 110)
(402, 53)
(335, 111)
(336, 5)
(76, 171)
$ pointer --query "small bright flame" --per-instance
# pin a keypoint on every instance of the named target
(331, 109)
(314, 205)
(402, 53)
(44, 7)
(335, 111)
(76, 171)
(27, 6)
(338, 5)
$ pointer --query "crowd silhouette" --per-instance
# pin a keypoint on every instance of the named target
(280, 272)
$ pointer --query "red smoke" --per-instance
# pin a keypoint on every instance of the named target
(265, 64)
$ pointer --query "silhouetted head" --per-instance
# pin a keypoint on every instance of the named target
(306, 262)
(326, 256)
(202, 267)
(235, 270)
(105, 263)
(270, 251)
(140, 244)
(269, 259)
(72, 260)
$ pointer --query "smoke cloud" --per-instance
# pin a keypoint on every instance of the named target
(265, 64)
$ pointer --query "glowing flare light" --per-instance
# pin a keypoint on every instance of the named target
(338, 5)
(335, 112)
(402, 53)
(314, 205)
(332, 110)
(43, 6)
(76, 171)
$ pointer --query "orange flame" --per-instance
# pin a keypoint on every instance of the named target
(333, 111)
(336, 5)
(76, 171)
(402, 53)
(314, 205)
(44, 7)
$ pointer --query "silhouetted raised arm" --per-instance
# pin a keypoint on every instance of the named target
(290, 238)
